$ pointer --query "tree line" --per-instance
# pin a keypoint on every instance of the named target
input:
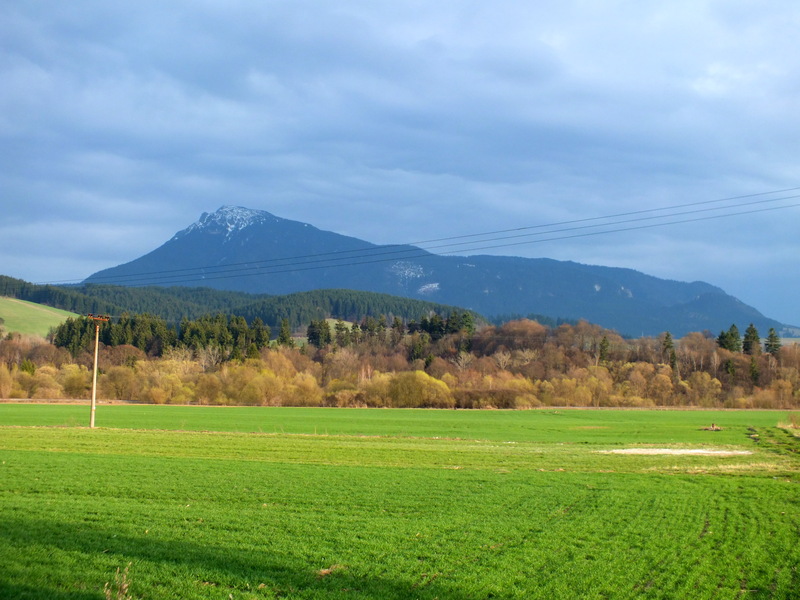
(439, 360)
(155, 336)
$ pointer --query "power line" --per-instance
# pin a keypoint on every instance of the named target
(327, 257)
(624, 214)
(395, 252)
(299, 267)
(296, 264)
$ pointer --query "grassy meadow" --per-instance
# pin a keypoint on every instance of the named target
(28, 318)
(214, 502)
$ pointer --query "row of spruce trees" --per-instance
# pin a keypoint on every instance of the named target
(155, 336)
(241, 339)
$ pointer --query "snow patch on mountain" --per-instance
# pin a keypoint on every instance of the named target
(428, 288)
(405, 270)
(227, 220)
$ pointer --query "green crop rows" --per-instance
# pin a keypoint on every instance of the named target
(315, 503)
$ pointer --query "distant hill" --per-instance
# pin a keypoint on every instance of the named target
(254, 251)
(175, 303)
(29, 318)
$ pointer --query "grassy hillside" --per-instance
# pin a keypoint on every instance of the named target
(29, 318)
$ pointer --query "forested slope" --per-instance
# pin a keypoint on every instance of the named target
(176, 303)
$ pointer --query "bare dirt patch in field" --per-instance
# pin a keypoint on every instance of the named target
(667, 451)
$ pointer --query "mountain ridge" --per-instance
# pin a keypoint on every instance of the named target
(237, 248)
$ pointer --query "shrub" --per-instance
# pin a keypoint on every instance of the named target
(765, 399)
(6, 381)
(47, 387)
(24, 385)
(375, 390)
(703, 390)
(208, 389)
(263, 389)
(155, 395)
(304, 391)
(76, 381)
(119, 383)
(412, 389)
(783, 392)
(660, 389)
(341, 392)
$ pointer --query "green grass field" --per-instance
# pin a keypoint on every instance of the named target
(29, 318)
(201, 502)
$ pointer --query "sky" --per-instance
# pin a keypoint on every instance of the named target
(397, 122)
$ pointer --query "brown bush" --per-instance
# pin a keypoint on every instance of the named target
(75, 380)
(119, 383)
(208, 389)
(6, 381)
(417, 389)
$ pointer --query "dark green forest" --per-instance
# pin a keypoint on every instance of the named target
(153, 335)
(175, 304)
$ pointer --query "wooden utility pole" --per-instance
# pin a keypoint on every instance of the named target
(97, 320)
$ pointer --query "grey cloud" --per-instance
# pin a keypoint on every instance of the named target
(402, 121)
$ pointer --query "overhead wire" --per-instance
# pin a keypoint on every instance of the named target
(435, 247)
(372, 258)
(623, 214)
(327, 256)
(293, 263)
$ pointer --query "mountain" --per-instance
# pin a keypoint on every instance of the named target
(254, 251)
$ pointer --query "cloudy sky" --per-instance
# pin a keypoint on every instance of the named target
(121, 122)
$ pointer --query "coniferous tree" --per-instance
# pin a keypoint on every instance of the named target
(752, 342)
(667, 346)
(731, 339)
(355, 334)
(398, 331)
(342, 334)
(319, 333)
(604, 346)
(369, 327)
(673, 363)
(669, 355)
(261, 333)
(397, 325)
(313, 334)
(453, 323)
(436, 327)
(468, 323)
(722, 339)
(418, 345)
(755, 373)
(382, 325)
(773, 343)
(285, 334)
(460, 321)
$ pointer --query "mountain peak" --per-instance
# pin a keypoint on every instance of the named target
(234, 218)
(228, 220)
